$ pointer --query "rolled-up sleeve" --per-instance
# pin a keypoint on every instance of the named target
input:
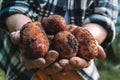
(104, 13)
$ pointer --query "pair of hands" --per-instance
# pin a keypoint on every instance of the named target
(49, 64)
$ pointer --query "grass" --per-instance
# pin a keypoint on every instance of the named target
(108, 70)
(109, 75)
(2, 75)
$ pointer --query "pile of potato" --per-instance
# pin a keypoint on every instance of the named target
(52, 33)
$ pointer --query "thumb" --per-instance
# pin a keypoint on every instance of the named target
(15, 37)
(101, 53)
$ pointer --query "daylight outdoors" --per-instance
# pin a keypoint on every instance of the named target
(109, 69)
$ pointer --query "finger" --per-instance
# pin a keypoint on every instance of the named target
(54, 68)
(65, 64)
(15, 37)
(101, 53)
(79, 63)
(51, 57)
(32, 64)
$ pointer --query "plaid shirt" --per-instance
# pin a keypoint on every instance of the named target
(79, 12)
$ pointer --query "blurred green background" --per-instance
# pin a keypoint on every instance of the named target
(109, 69)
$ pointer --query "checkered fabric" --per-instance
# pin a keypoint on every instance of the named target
(79, 12)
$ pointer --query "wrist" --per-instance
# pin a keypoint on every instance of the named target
(15, 22)
(98, 32)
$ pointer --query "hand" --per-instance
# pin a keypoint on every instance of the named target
(101, 52)
(41, 62)
(48, 64)
(77, 63)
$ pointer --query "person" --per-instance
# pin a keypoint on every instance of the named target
(97, 16)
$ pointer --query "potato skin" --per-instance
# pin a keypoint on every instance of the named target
(66, 44)
(87, 47)
(54, 24)
(71, 27)
(34, 40)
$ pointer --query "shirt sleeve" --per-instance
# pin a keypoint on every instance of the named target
(104, 13)
(10, 7)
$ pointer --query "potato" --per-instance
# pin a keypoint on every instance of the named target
(34, 39)
(87, 47)
(54, 24)
(66, 44)
(71, 27)
(50, 38)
